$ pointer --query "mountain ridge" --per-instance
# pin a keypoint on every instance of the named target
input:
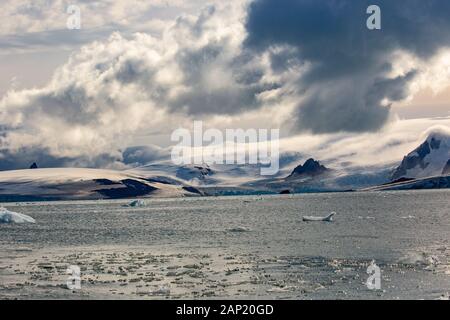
(426, 167)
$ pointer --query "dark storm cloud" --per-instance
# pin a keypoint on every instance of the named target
(347, 81)
(142, 155)
(24, 157)
(236, 86)
(131, 157)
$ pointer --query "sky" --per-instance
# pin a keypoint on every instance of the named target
(115, 89)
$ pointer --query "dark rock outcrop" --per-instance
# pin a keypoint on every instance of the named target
(446, 170)
(194, 172)
(204, 170)
(311, 168)
(414, 159)
(127, 188)
(193, 190)
(105, 182)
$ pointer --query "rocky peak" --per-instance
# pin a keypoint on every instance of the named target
(310, 168)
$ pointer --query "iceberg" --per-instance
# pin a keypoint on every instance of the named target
(328, 218)
(7, 216)
(137, 203)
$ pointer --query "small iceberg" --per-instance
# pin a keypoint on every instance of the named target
(445, 296)
(136, 203)
(161, 291)
(281, 289)
(7, 216)
(420, 259)
(239, 229)
(328, 218)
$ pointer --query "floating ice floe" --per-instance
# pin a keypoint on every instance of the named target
(445, 296)
(161, 291)
(328, 218)
(420, 258)
(7, 216)
(281, 289)
(137, 203)
(239, 229)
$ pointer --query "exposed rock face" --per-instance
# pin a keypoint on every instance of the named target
(204, 170)
(194, 172)
(34, 166)
(413, 160)
(311, 168)
(446, 170)
(126, 188)
(193, 190)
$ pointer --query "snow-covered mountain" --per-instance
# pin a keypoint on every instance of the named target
(426, 167)
(168, 172)
(83, 184)
(297, 173)
(213, 175)
(431, 158)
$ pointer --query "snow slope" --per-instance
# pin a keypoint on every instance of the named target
(75, 183)
(204, 175)
(247, 179)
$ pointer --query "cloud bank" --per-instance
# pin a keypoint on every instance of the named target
(112, 90)
(313, 65)
(349, 84)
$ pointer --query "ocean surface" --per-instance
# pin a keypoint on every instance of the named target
(254, 247)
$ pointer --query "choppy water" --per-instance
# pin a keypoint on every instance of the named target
(296, 259)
